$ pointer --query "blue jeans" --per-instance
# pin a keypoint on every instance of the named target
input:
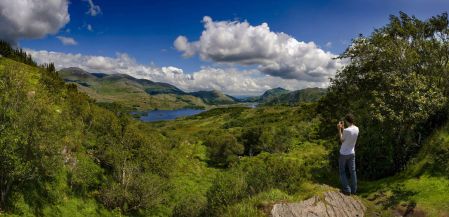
(343, 162)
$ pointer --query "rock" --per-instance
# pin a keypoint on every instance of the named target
(331, 204)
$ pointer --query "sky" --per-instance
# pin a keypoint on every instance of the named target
(238, 47)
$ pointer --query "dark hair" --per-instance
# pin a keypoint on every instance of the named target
(349, 118)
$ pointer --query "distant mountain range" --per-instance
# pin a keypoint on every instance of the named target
(281, 96)
(285, 97)
(142, 94)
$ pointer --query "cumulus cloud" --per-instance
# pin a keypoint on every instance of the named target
(229, 80)
(241, 82)
(276, 54)
(67, 40)
(31, 18)
(94, 9)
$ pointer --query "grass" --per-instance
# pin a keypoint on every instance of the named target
(29, 73)
(424, 185)
(427, 194)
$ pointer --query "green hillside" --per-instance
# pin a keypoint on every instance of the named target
(91, 161)
(64, 154)
(423, 187)
(138, 94)
(295, 97)
(141, 94)
(214, 97)
(272, 94)
(281, 96)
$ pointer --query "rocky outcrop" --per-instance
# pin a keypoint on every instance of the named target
(330, 204)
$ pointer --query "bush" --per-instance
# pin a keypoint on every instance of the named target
(85, 175)
(227, 189)
(223, 148)
(194, 205)
(252, 175)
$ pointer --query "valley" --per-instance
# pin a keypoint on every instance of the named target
(76, 143)
(143, 95)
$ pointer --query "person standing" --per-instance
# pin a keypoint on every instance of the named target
(348, 139)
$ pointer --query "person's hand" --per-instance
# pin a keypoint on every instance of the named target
(340, 125)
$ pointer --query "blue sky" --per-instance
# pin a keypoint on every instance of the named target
(146, 30)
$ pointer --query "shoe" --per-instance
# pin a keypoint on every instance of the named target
(345, 193)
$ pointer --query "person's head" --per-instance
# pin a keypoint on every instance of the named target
(349, 118)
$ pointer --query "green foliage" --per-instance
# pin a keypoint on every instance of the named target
(227, 189)
(271, 139)
(394, 83)
(253, 175)
(433, 158)
(141, 192)
(59, 148)
(190, 180)
(6, 50)
(63, 154)
(213, 97)
(296, 97)
(85, 175)
(223, 148)
(272, 94)
(140, 94)
(31, 128)
(427, 194)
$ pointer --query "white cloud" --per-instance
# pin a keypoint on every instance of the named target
(276, 54)
(67, 40)
(89, 27)
(229, 80)
(94, 9)
(241, 82)
(31, 18)
(328, 44)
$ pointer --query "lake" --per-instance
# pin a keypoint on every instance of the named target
(163, 115)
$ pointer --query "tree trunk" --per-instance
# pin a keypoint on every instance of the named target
(4, 194)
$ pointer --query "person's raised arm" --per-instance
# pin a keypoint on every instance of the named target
(340, 128)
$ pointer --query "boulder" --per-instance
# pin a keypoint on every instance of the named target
(330, 204)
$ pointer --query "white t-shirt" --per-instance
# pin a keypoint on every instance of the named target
(349, 139)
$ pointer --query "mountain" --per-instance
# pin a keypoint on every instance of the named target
(131, 92)
(272, 94)
(281, 96)
(294, 97)
(79, 146)
(214, 97)
(140, 94)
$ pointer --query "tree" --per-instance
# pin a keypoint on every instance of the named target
(396, 80)
(31, 133)
(223, 148)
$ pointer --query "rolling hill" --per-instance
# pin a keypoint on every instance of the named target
(140, 94)
(214, 97)
(77, 147)
(281, 96)
(294, 97)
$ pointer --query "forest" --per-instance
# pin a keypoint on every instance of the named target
(64, 154)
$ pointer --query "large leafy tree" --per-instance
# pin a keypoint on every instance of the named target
(395, 82)
(32, 133)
